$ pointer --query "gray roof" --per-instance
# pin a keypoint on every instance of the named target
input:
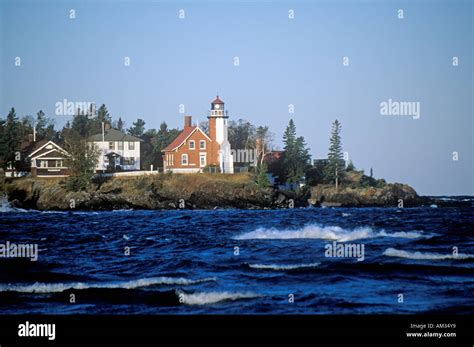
(114, 135)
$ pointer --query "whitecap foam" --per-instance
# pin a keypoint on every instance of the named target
(207, 298)
(403, 234)
(6, 207)
(60, 287)
(331, 233)
(392, 252)
(283, 267)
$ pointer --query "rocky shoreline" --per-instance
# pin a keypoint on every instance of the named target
(390, 195)
(201, 192)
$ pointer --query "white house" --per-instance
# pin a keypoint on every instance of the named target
(117, 151)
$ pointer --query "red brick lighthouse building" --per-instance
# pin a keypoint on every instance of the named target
(193, 149)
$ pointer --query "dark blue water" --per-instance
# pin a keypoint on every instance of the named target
(185, 262)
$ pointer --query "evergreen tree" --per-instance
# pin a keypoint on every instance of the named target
(26, 126)
(335, 167)
(154, 142)
(262, 178)
(94, 123)
(120, 125)
(82, 125)
(10, 139)
(350, 166)
(103, 115)
(41, 123)
(296, 156)
(289, 137)
(44, 127)
(138, 128)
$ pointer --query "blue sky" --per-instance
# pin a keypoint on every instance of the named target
(282, 61)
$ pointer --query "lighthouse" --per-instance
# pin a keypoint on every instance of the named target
(194, 150)
(218, 123)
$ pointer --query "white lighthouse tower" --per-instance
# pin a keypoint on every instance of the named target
(218, 132)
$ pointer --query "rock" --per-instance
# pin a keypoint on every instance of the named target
(391, 195)
(198, 192)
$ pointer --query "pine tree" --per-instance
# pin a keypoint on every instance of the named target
(44, 127)
(103, 115)
(289, 137)
(262, 178)
(296, 156)
(41, 123)
(138, 128)
(10, 139)
(120, 124)
(350, 166)
(334, 171)
(82, 125)
(94, 122)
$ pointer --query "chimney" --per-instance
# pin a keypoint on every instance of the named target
(187, 121)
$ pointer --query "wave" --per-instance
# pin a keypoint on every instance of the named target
(206, 298)
(333, 233)
(404, 234)
(283, 267)
(392, 252)
(6, 207)
(45, 288)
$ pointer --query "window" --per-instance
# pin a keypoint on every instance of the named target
(120, 146)
(131, 146)
(43, 163)
(112, 145)
(192, 145)
(184, 159)
(59, 163)
(128, 161)
(202, 144)
(202, 159)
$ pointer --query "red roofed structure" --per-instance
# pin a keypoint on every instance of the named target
(192, 150)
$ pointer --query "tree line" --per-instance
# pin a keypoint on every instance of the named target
(292, 165)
